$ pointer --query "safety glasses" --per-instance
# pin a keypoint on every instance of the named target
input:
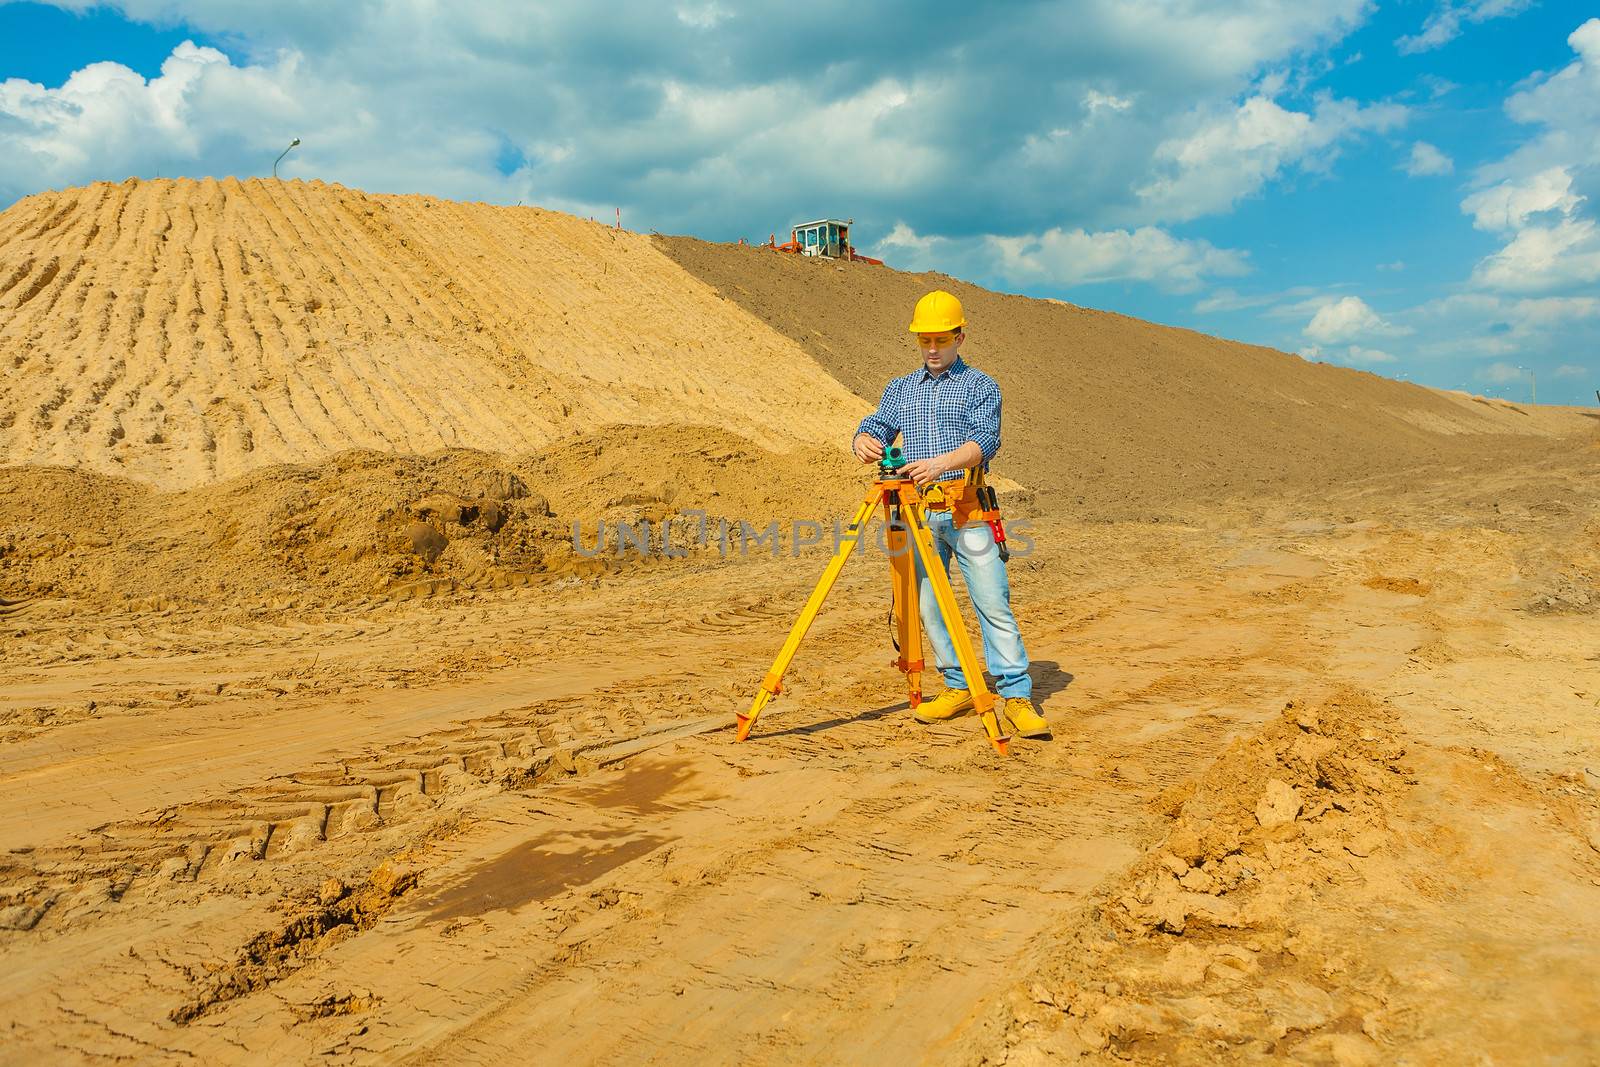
(936, 340)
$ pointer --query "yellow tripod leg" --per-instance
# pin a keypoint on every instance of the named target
(772, 684)
(908, 631)
(982, 699)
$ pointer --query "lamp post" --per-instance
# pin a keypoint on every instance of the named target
(285, 152)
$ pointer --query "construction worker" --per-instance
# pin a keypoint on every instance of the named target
(948, 415)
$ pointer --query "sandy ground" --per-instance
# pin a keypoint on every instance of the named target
(321, 742)
(457, 829)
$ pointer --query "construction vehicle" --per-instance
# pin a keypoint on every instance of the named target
(829, 238)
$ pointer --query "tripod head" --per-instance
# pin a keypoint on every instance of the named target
(894, 458)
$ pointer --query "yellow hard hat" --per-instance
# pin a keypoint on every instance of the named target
(937, 312)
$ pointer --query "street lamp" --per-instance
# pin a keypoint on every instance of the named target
(285, 152)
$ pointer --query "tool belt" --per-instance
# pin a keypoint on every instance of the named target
(946, 496)
(968, 500)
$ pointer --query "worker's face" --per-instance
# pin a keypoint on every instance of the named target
(939, 350)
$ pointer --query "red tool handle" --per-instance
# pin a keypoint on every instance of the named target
(986, 497)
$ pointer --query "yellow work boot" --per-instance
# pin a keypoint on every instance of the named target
(950, 704)
(1024, 718)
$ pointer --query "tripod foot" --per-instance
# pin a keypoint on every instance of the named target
(991, 728)
(745, 722)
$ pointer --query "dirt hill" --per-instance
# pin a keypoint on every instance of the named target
(1106, 414)
(367, 525)
(181, 332)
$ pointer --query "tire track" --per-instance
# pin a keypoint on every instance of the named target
(398, 786)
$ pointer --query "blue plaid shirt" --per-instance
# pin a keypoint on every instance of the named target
(936, 415)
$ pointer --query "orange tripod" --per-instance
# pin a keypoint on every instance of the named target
(907, 527)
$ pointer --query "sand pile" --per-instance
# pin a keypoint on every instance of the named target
(1314, 784)
(1197, 951)
(347, 528)
(1109, 415)
(1322, 896)
(364, 523)
(181, 332)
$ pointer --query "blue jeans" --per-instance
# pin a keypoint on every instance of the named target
(974, 548)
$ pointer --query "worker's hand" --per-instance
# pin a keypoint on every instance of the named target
(924, 471)
(868, 449)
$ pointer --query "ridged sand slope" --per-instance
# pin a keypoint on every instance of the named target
(182, 332)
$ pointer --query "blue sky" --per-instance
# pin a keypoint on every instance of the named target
(1409, 188)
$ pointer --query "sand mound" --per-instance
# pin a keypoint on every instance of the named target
(1313, 784)
(364, 524)
(181, 332)
(1330, 891)
(1107, 414)
(1199, 950)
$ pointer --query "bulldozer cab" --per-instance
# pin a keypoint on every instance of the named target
(824, 237)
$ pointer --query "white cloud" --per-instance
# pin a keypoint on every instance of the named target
(726, 135)
(702, 16)
(905, 249)
(1148, 254)
(1571, 370)
(1544, 258)
(1229, 300)
(205, 115)
(1541, 333)
(1565, 101)
(701, 116)
(1357, 356)
(1521, 319)
(1068, 257)
(107, 118)
(1239, 38)
(1540, 312)
(1426, 160)
(1397, 265)
(1501, 374)
(1350, 356)
(1304, 300)
(1444, 25)
(1437, 86)
(1531, 197)
(1510, 204)
(1347, 319)
(1229, 156)
(1094, 100)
